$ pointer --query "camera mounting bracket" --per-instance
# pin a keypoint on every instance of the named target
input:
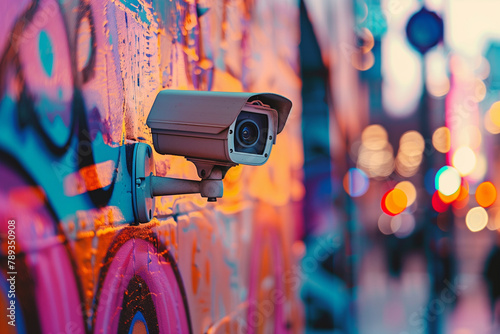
(146, 185)
(208, 169)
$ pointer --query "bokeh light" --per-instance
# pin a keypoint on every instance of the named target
(394, 202)
(375, 154)
(448, 180)
(479, 90)
(492, 118)
(356, 182)
(411, 143)
(464, 160)
(486, 194)
(384, 224)
(374, 137)
(494, 114)
(441, 139)
(407, 166)
(409, 189)
(362, 61)
(476, 219)
(382, 163)
(376, 163)
(449, 199)
(409, 157)
(439, 88)
(403, 225)
(490, 127)
(438, 204)
(368, 40)
(494, 219)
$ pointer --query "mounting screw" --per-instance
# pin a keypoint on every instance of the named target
(265, 155)
(138, 182)
(270, 137)
(230, 132)
(231, 150)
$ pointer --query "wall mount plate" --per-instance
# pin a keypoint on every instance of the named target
(143, 166)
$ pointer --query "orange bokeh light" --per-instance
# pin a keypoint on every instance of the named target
(450, 198)
(486, 194)
(394, 202)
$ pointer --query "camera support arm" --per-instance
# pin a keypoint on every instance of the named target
(163, 186)
(145, 185)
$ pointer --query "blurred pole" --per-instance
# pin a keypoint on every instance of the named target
(439, 265)
(425, 30)
(319, 313)
(427, 164)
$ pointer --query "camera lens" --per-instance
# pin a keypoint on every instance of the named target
(247, 133)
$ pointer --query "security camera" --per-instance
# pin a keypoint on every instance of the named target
(228, 128)
(215, 131)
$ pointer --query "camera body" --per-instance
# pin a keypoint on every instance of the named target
(220, 128)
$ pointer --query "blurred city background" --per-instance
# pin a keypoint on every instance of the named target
(401, 125)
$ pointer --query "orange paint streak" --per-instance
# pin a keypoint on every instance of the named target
(89, 178)
(207, 272)
(27, 196)
(109, 230)
(195, 272)
(85, 235)
(100, 216)
(230, 322)
(172, 238)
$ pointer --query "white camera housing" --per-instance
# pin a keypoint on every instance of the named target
(204, 125)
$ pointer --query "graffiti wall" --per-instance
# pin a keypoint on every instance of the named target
(77, 81)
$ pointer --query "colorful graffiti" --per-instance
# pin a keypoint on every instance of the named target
(77, 79)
